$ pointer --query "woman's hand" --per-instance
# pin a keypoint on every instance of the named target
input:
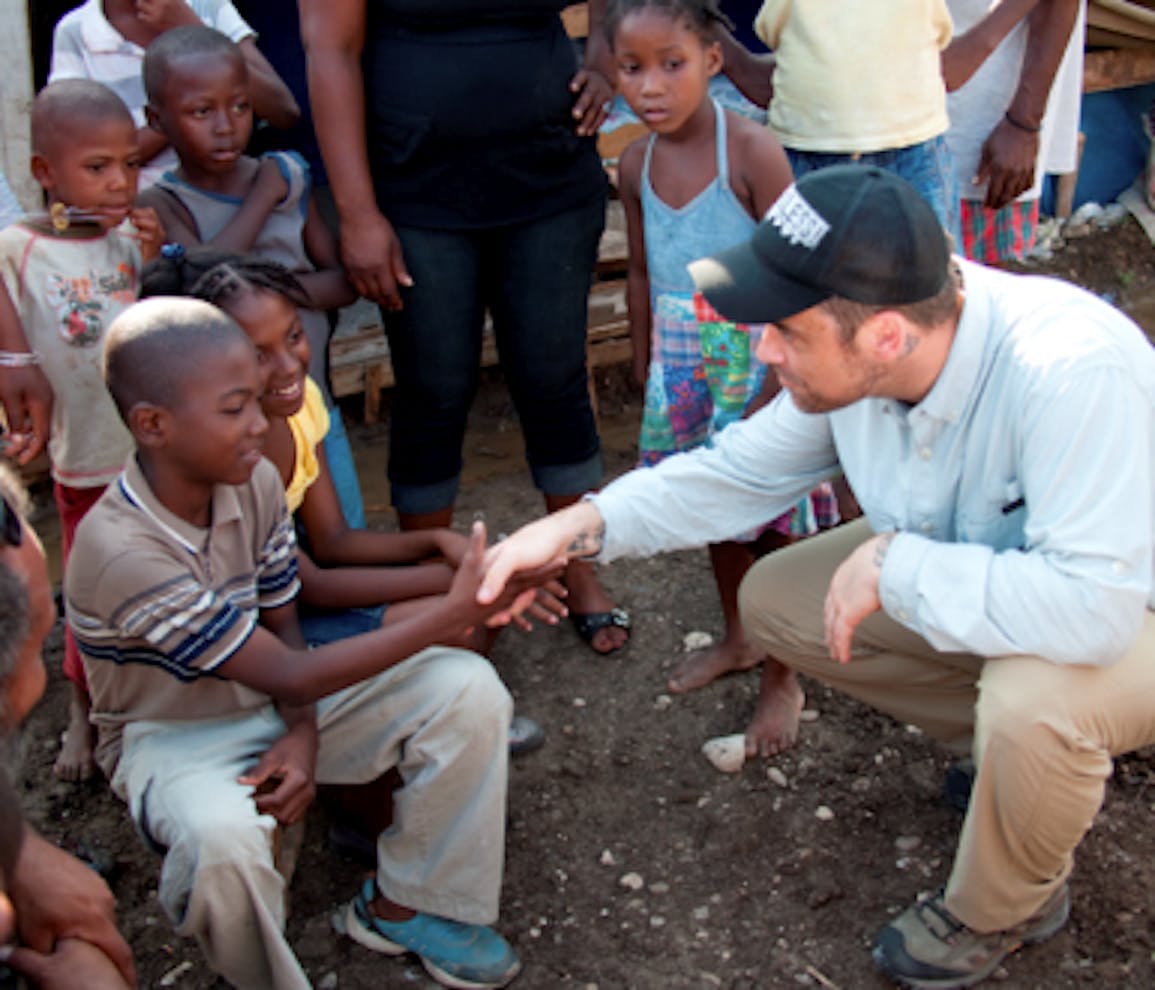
(371, 253)
(595, 98)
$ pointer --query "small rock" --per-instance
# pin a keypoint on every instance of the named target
(607, 858)
(823, 813)
(907, 843)
(657, 921)
(659, 888)
(860, 785)
(662, 702)
(701, 913)
(777, 776)
(174, 974)
(631, 881)
(327, 982)
(696, 640)
(808, 715)
(579, 702)
(727, 753)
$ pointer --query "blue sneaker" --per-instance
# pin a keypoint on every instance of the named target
(456, 954)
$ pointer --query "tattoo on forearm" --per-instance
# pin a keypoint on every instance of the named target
(882, 546)
(586, 543)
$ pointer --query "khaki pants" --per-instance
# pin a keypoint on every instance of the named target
(1042, 734)
(441, 717)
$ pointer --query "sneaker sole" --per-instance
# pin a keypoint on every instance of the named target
(377, 942)
(1050, 926)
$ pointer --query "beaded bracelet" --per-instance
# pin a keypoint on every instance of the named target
(18, 359)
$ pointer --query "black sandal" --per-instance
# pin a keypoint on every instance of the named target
(588, 624)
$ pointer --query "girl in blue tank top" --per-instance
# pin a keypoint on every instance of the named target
(696, 185)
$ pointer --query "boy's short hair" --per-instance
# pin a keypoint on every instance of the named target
(63, 106)
(181, 42)
(151, 345)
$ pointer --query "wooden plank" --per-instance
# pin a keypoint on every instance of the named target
(1117, 68)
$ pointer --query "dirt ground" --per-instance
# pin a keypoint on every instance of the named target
(631, 862)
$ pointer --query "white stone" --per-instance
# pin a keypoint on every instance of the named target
(777, 776)
(607, 858)
(631, 881)
(727, 753)
(823, 813)
(808, 715)
(696, 640)
(907, 843)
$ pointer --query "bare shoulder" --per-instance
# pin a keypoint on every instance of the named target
(630, 166)
(759, 168)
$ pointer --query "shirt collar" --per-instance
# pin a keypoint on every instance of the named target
(99, 34)
(955, 385)
(135, 486)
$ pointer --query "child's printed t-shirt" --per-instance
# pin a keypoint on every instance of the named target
(67, 291)
(157, 604)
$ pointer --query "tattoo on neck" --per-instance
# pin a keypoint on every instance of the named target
(586, 543)
(909, 343)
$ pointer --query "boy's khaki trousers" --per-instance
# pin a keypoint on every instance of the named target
(441, 717)
(1042, 733)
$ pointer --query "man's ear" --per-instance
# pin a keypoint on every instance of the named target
(152, 118)
(42, 172)
(149, 424)
(884, 335)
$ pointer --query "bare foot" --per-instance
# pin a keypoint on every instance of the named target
(74, 762)
(704, 666)
(774, 727)
(586, 597)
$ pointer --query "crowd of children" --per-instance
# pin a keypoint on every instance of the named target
(211, 515)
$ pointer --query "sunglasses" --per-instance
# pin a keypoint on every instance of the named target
(11, 528)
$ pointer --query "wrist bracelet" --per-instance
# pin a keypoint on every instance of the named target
(1020, 125)
(18, 359)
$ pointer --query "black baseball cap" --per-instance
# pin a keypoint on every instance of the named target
(854, 231)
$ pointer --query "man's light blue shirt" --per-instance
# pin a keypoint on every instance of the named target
(1021, 486)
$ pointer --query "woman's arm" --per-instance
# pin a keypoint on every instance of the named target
(272, 99)
(752, 74)
(333, 33)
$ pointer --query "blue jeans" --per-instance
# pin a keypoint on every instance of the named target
(534, 279)
(926, 166)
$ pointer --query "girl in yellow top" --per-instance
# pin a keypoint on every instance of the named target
(263, 298)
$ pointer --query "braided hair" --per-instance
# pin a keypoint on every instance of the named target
(703, 17)
(216, 276)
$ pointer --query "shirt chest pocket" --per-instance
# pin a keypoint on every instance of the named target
(995, 516)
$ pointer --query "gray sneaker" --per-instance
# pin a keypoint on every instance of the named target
(928, 947)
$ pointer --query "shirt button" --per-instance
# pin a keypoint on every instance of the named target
(1119, 567)
(925, 453)
(927, 526)
(902, 616)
